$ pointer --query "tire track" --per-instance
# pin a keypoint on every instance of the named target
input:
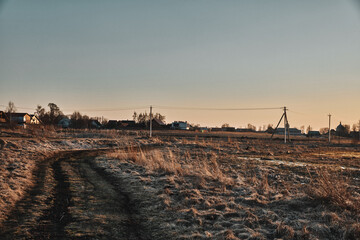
(72, 199)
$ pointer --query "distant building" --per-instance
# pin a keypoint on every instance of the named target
(292, 131)
(204, 129)
(126, 124)
(228, 129)
(341, 130)
(95, 124)
(216, 129)
(158, 124)
(244, 130)
(180, 125)
(64, 122)
(112, 124)
(313, 134)
(34, 120)
(4, 120)
(19, 119)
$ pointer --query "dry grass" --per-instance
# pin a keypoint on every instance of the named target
(265, 199)
(225, 186)
(285, 231)
(169, 162)
(353, 232)
(331, 187)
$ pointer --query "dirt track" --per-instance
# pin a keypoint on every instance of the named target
(72, 199)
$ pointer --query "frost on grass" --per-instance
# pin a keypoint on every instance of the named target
(21, 152)
(223, 190)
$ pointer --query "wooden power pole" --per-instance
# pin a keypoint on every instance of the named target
(150, 121)
(286, 126)
(329, 127)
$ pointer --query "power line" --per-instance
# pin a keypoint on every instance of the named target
(297, 112)
(91, 109)
(161, 107)
(110, 109)
(18, 107)
(215, 109)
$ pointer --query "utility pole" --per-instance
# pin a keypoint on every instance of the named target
(329, 127)
(150, 121)
(359, 129)
(286, 126)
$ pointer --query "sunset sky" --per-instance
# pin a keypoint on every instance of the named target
(100, 57)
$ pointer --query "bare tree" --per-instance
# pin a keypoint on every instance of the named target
(11, 107)
(135, 115)
(347, 129)
(309, 128)
(251, 127)
(354, 127)
(143, 118)
(324, 130)
(159, 117)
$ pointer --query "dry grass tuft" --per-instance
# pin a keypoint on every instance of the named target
(285, 231)
(353, 232)
(330, 187)
(229, 235)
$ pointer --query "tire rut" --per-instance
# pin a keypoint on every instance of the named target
(72, 199)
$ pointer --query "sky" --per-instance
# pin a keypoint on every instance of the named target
(109, 58)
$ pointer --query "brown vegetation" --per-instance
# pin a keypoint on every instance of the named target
(220, 186)
(331, 186)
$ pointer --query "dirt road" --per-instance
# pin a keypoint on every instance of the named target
(73, 199)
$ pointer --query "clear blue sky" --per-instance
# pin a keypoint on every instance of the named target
(90, 54)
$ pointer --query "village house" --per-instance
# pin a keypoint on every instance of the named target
(127, 123)
(157, 124)
(4, 120)
(292, 131)
(313, 134)
(244, 130)
(19, 119)
(341, 130)
(112, 124)
(94, 124)
(180, 125)
(64, 122)
(34, 120)
(228, 129)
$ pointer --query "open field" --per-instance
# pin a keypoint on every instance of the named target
(178, 185)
